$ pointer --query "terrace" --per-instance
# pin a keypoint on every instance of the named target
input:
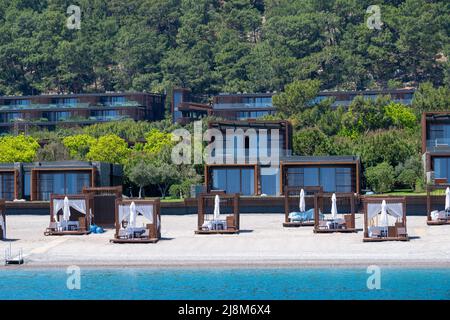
(436, 145)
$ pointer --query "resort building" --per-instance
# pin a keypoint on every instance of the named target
(253, 178)
(48, 111)
(436, 146)
(187, 107)
(345, 98)
(38, 180)
(333, 173)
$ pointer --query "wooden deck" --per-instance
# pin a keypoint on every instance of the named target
(66, 233)
(298, 224)
(438, 222)
(216, 231)
(349, 230)
(385, 239)
(135, 240)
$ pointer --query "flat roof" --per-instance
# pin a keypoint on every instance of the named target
(325, 93)
(53, 164)
(75, 95)
(380, 91)
(333, 159)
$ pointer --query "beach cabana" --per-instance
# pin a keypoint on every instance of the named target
(70, 214)
(104, 204)
(335, 212)
(2, 220)
(137, 221)
(218, 213)
(438, 204)
(385, 219)
(299, 204)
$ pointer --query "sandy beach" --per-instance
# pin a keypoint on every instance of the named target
(263, 242)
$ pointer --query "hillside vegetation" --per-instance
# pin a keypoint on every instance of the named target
(220, 46)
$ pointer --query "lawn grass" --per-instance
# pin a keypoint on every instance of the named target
(400, 193)
(171, 199)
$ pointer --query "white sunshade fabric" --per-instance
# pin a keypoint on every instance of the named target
(77, 204)
(145, 209)
(302, 205)
(447, 198)
(393, 209)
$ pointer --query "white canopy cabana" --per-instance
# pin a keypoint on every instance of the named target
(66, 203)
(386, 209)
(145, 210)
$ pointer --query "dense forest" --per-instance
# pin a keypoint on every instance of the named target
(220, 46)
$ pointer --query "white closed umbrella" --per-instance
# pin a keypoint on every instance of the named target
(66, 209)
(384, 220)
(334, 212)
(217, 208)
(302, 205)
(132, 215)
(447, 199)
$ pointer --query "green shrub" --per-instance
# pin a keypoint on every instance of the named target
(381, 178)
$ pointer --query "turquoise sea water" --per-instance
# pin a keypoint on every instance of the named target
(191, 284)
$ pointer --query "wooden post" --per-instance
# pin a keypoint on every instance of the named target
(236, 210)
(366, 223)
(286, 205)
(316, 210)
(200, 218)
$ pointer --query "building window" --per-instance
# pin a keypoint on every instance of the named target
(331, 179)
(61, 183)
(270, 181)
(234, 180)
(439, 135)
(57, 115)
(106, 114)
(11, 116)
(441, 168)
(113, 101)
(7, 186)
(27, 186)
(66, 102)
(18, 102)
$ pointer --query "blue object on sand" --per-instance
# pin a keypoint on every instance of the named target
(304, 216)
(93, 228)
(99, 230)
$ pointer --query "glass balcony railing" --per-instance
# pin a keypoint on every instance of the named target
(219, 106)
(439, 143)
(68, 106)
(65, 120)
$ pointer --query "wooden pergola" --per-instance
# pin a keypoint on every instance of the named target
(345, 201)
(83, 218)
(104, 202)
(151, 233)
(229, 209)
(398, 231)
(291, 203)
(3, 217)
(436, 201)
